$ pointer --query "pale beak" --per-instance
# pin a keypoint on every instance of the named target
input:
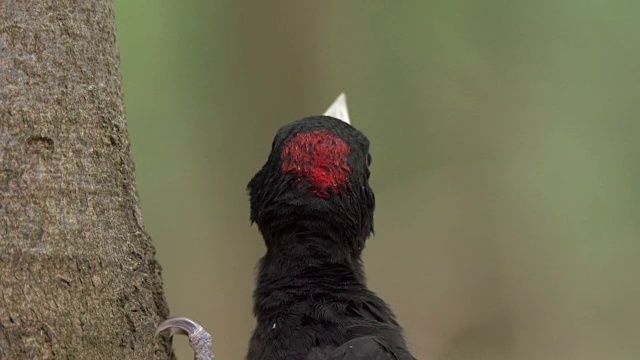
(339, 109)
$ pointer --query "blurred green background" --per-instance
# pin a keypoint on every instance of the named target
(505, 165)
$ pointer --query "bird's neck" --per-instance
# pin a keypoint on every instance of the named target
(304, 268)
(310, 254)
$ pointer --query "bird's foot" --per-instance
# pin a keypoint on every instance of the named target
(199, 338)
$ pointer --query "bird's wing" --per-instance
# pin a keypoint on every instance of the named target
(362, 348)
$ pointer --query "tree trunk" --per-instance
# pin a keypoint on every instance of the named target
(78, 278)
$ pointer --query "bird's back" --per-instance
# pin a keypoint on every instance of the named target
(361, 348)
(313, 323)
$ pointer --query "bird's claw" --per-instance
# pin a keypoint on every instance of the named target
(199, 338)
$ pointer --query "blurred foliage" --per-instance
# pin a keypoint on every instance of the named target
(505, 161)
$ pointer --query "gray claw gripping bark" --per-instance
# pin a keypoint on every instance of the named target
(199, 338)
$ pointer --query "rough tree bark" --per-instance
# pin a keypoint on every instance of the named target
(78, 278)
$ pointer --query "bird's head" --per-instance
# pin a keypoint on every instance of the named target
(316, 179)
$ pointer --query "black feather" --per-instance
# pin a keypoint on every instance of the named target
(311, 300)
